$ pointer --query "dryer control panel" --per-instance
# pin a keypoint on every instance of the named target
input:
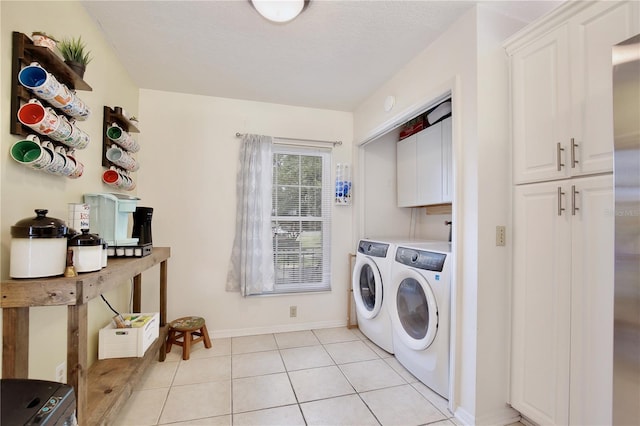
(421, 259)
(371, 248)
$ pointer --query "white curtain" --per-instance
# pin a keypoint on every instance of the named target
(251, 268)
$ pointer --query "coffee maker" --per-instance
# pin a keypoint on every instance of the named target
(109, 217)
(142, 225)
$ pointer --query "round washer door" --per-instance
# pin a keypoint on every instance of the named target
(367, 287)
(415, 314)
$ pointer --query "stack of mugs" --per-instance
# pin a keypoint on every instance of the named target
(46, 122)
(45, 86)
(120, 154)
(44, 155)
(119, 178)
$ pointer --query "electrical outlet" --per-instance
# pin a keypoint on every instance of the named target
(501, 235)
(293, 311)
(61, 373)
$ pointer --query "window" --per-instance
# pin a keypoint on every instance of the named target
(301, 219)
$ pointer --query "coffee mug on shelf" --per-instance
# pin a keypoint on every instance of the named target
(121, 158)
(61, 98)
(58, 159)
(79, 167)
(39, 81)
(122, 138)
(30, 153)
(118, 178)
(34, 115)
(78, 138)
(62, 130)
(69, 163)
(77, 108)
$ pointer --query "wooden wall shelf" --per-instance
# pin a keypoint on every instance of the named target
(102, 390)
(25, 52)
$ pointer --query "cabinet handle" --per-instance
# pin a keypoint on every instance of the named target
(573, 153)
(559, 150)
(573, 200)
(560, 208)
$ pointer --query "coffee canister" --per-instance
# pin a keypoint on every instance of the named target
(87, 251)
(38, 247)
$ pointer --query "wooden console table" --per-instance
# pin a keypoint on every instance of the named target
(105, 387)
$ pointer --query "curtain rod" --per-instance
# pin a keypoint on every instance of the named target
(334, 143)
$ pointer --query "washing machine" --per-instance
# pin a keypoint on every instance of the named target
(419, 307)
(370, 279)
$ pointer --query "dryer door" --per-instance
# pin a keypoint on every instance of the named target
(367, 287)
(415, 317)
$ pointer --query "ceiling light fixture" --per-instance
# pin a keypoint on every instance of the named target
(280, 11)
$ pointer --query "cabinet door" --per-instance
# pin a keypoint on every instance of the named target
(447, 161)
(429, 165)
(592, 301)
(406, 171)
(541, 303)
(540, 103)
(593, 33)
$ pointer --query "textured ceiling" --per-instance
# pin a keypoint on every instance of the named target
(332, 56)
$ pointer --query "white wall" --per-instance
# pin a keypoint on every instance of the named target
(467, 60)
(382, 218)
(494, 205)
(190, 164)
(22, 190)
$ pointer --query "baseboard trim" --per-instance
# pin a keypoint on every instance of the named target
(283, 328)
(464, 416)
(501, 417)
(504, 416)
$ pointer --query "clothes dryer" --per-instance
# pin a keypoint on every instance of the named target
(420, 304)
(370, 279)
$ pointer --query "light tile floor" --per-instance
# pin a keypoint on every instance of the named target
(332, 376)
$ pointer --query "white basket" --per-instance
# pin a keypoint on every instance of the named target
(128, 342)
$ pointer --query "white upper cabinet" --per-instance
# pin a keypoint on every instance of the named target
(429, 166)
(424, 160)
(561, 91)
(406, 171)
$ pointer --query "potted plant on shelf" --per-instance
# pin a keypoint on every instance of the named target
(75, 54)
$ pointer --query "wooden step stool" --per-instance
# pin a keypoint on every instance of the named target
(186, 328)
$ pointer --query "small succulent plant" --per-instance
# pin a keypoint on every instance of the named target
(74, 50)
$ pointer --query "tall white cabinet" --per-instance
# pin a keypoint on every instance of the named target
(562, 134)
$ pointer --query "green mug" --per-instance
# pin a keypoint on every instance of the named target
(30, 152)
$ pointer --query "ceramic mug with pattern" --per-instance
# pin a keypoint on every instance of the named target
(30, 152)
(122, 138)
(34, 115)
(39, 81)
(121, 158)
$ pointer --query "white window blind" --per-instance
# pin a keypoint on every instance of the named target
(301, 218)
